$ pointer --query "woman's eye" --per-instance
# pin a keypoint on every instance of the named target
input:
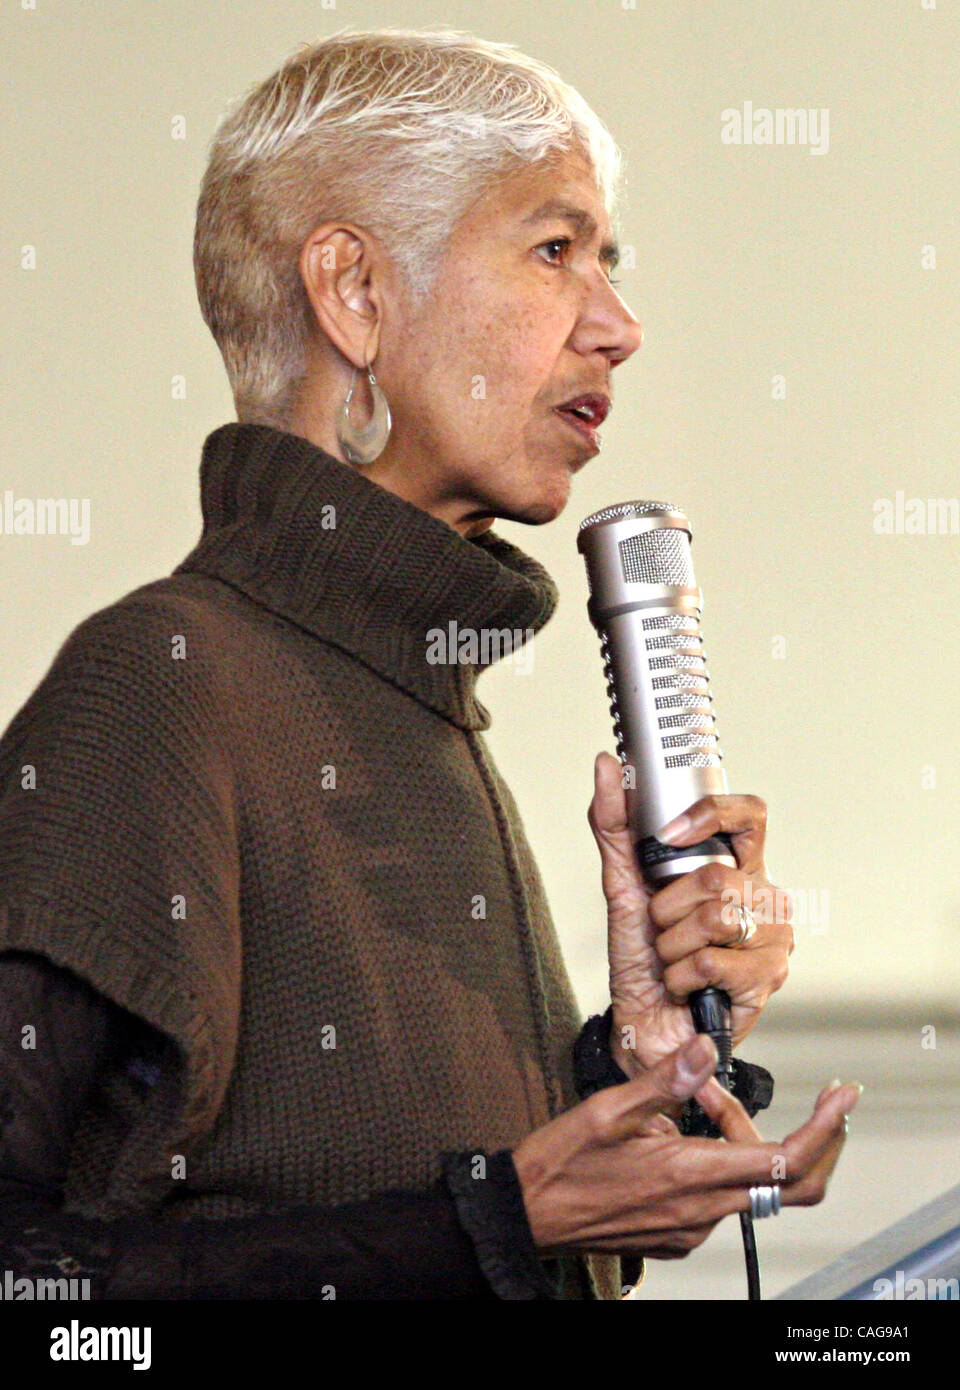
(560, 241)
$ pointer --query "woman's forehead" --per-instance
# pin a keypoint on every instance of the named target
(564, 186)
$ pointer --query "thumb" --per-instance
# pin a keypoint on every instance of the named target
(609, 820)
(676, 1077)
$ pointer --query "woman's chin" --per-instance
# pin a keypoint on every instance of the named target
(553, 497)
(542, 496)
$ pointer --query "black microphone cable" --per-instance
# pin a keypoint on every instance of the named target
(711, 1014)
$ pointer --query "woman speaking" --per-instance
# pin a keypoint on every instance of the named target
(282, 1008)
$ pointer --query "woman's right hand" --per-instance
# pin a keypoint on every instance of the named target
(614, 1175)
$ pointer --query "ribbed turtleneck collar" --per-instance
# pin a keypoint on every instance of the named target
(376, 581)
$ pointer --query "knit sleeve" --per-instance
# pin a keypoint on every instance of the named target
(119, 857)
(399, 1244)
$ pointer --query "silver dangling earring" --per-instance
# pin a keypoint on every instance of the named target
(361, 444)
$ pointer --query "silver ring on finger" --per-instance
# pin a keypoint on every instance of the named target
(764, 1201)
(748, 926)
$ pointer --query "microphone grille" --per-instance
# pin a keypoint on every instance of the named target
(661, 556)
(693, 760)
(626, 509)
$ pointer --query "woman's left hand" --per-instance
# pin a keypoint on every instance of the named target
(665, 945)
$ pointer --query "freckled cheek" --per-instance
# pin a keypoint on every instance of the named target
(539, 334)
(516, 356)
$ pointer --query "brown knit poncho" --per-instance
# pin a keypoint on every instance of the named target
(245, 806)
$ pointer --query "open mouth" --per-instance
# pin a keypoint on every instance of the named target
(586, 414)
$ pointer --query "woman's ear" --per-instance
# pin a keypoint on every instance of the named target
(341, 267)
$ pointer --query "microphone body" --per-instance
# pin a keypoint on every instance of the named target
(645, 605)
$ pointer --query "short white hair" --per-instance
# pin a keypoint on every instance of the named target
(396, 130)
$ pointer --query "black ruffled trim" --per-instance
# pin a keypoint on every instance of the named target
(593, 1066)
(492, 1212)
(594, 1069)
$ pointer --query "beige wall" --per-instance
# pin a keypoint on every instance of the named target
(750, 261)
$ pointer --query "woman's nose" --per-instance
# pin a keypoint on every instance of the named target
(630, 329)
(631, 333)
(608, 325)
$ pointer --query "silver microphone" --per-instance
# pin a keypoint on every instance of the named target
(645, 605)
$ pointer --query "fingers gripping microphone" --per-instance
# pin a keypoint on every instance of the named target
(646, 608)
